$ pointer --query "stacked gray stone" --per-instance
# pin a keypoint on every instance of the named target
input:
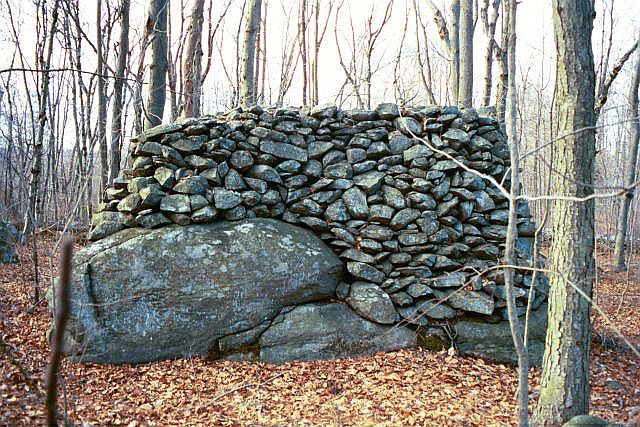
(411, 225)
(8, 236)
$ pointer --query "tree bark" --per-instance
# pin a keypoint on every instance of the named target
(454, 51)
(247, 84)
(102, 104)
(490, 32)
(157, 27)
(565, 374)
(193, 62)
(118, 85)
(630, 167)
(465, 90)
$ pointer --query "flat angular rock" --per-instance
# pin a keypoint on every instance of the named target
(175, 203)
(448, 280)
(404, 218)
(325, 111)
(380, 213)
(284, 151)
(475, 301)
(356, 202)
(387, 111)
(408, 126)
(435, 309)
(153, 220)
(372, 303)
(105, 223)
(415, 152)
(226, 199)
(191, 185)
(365, 272)
(370, 182)
(265, 173)
(483, 202)
(456, 135)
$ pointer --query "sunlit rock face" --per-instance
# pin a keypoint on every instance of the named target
(389, 191)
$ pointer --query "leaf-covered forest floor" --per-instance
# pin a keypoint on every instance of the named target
(402, 388)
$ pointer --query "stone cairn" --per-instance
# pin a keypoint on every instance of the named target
(413, 227)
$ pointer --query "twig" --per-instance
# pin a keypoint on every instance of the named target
(61, 316)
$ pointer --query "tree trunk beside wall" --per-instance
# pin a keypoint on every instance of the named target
(247, 84)
(193, 62)
(465, 90)
(157, 27)
(118, 85)
(565, 376)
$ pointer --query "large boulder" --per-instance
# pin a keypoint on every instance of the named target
(328, 331)
(141, 295)
(494, 341)
(8, 235)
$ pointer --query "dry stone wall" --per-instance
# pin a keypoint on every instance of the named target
(412, 226)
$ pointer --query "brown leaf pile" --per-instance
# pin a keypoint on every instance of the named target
(405, 388)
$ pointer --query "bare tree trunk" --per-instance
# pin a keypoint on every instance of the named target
(157, 28)
(465, 95)
(454, 51)
(102, 104)
(565, 373)
(247, 85)
(501, 90)
(34, 187)
(302, 28)
(512, 228)
(490, 32)
(193, 62)
(632, 159)
(116, 119)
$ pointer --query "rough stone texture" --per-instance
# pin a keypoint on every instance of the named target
(8, 234)
(175, 291)
(327, 331)
(410, 222)
(494, 341)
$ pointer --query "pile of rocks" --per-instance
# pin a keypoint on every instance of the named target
(8, 236)
(385, 189)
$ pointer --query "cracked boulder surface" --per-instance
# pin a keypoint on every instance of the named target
(387, 195)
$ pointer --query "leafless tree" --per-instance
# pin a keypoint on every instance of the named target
(247, 85)
(118, 86)
(630, 167)
(193, 62)
(157, 28)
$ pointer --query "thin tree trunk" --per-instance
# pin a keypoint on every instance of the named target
(565, 374)
(157, 27)
(302, 27)
(490, 31)
(247, 87)
(193, 62)
(465, 95)
(512, 228)
(34, 187)
(454, 51)
(102, 104)
(116, 119)
(630, 168)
